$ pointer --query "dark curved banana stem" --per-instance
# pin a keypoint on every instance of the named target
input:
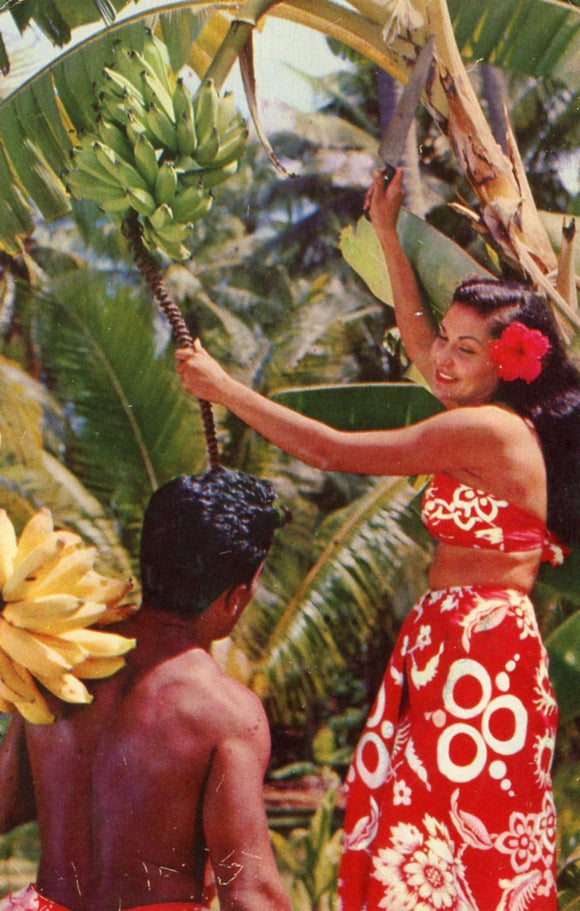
(153, 276)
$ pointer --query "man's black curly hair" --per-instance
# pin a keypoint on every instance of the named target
(203, 535)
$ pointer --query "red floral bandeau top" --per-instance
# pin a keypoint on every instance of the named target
(467, 517)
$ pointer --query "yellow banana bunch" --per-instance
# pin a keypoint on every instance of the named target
(50, 596)
(156, 148)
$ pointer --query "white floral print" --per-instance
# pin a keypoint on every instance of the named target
(543, 756)
(424, 637)
(545, 699)
(521, 841)
(365, 831)
(420, 871)
(402, 793)
(466, 508)
(546, 823)
(463, 727)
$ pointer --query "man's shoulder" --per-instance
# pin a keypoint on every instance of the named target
(195, 685)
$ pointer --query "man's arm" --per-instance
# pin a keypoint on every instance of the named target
(17, 804)
(234, 818)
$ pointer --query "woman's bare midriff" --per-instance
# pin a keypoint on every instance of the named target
(461, 566)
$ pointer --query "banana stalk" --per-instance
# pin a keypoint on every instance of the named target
(153, 277)
(155, 143)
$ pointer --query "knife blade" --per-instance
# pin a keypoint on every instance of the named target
(395, 134)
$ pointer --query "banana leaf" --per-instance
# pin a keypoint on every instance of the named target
(533, 37)
(362, 406)
(439, 262)
(537, 37)
(525, 35)
(564, 655)
(57, 18)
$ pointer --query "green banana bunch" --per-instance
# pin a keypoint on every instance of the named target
(156, 147)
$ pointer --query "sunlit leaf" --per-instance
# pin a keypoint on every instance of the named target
(440, 263)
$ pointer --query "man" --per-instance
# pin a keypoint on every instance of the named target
(164, 770)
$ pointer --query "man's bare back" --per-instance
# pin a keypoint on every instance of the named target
(164, 771)
(168, 749)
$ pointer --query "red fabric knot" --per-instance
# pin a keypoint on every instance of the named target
(554, 551)
(518, 352)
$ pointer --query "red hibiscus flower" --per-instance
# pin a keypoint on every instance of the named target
(518, 352)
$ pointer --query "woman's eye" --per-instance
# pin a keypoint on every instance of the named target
(467, 351)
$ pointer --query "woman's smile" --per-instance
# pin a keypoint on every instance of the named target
(463, 374)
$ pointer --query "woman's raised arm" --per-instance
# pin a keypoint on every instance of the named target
(447, 442)
(417, 332)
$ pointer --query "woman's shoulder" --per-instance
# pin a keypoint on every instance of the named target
(490, 420)
(486, 441)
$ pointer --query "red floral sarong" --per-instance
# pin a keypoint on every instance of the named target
(30, 900)
(450, 804)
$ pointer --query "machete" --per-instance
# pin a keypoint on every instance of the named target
(395, 134)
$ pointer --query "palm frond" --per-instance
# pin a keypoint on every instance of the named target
(311, 344)
(26, 488)
(369, 565)
(132, 427)
(31, 477)
(24, 402)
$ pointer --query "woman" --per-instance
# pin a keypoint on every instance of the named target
(449, 794)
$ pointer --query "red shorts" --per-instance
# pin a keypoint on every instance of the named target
(30, 900)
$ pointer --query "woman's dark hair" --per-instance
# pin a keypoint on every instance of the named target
(203, 535)
(551, 401)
